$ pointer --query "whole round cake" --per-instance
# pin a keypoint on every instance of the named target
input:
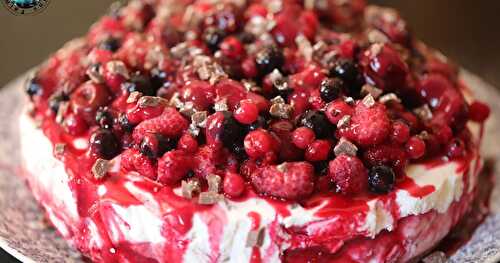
(251, 131)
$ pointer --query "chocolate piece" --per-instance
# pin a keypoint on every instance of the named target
(389, 97)
(346, 147)
(214, 183)
(118, 67)
(190, 187)
(100, 168)
(134, 97)
(424, 112)
(436, 257)
(344, 121)
(209, 198)
(150, 101)
(199, 118)
(369, 101)
(59, 149)
(255, 238)
(373, 91)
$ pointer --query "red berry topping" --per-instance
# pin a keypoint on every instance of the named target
(291, 181)
(349, 174)
(169, 124)
(260, 143)
(479, 111)
(337, 110)
(247, 112)
(302, 137)
(233, 185)
(370, 125)
(400, 132)
(415, 147)
(173, 167)
(133, 161)
(232, 48)
(188, 143)
(74, 124)
(318, 151)
(455, 149)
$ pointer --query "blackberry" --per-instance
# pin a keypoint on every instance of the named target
(33, 88)
(212, 37)
(381, 179)
(159, 79)
(232, 131)
(155, 145)
(346, 70)
(331, 88)
(239, 151)
(104, 144)
(141, 83)
(104, 118)
(112, 44)
(259, 123)
(268, 59)
(318, 122)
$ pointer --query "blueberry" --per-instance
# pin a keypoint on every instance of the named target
(331, 88)
(381, 179)
(268, 59)
(141, 83)
(112, 44)
(155, 145)
(318, 122)
(212, 37)
(232, 131)
(246, 38)
(104, 144)
(104, 118)
(346, 70)
(159, 79)
(33, 88)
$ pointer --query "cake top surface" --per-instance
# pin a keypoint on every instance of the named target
(283, 99)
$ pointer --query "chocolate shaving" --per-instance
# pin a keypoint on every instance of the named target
(349, 100)
(281, 110)
(221, 105)
(346, 147)
(208, 69)
(187, 108)
(369, 89)
(100, 168)
(214, 183)
(209, 198)
(150, 101)
(255, 238)
(134, 97)
(281, 168)
(63, 108)
(190, 187)
(95, 74)
(376, 36)
(305, 47)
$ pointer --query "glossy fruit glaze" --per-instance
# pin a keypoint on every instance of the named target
(286, 101)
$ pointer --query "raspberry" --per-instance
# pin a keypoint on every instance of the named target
(169, 124)
(479, 111)
(291, 181)
(302, 137)
(259, 143)
(247, 112)
(207, 160)
(400, 132)
(187, 143)
(415, 147)
(369, 125)
(133, 160)
(173, 167)
(349, 174)
(337, 110)
(233, 185)
(318, 151)
(155, 145)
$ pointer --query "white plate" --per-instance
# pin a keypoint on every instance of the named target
(27, 236)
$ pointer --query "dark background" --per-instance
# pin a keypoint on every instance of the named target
(467, 31)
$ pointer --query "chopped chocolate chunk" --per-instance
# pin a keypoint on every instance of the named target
(150, 101)
(369, 89)
(281, 110)
(209, 198)
(424, 112)
(376, 36)
(100, 168)
(436, 257)
(255, 238)
(63, 108)
(187, 108)
(199, 118)
(221, 105)
(281, 167)
(59, 149)
(369, 101)
(349, 100)
(305, 47)
(214, 183)
(134, 97)
(190, 187)
(389, 97)
(208, 69)
(344, 121)
(346, 147)
(118, 67)
(95, 73)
